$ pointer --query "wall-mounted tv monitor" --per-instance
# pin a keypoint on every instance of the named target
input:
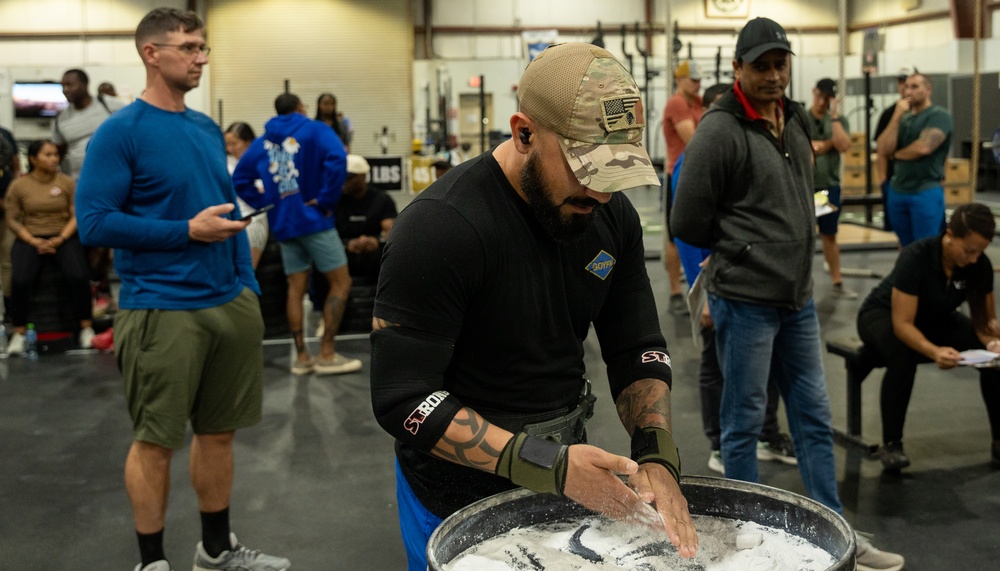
(38, 100)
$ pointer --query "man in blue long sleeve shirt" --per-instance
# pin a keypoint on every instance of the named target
(188, 337)
(303, 166)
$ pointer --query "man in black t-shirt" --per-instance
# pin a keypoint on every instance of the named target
(364, 219)
(489, 284)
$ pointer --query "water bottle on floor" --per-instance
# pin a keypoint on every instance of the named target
(31, 343)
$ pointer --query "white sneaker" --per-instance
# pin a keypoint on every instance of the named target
(320, 328)
(871, 559)
(86, 337)
(160, 565)
(16, 344)
(715, 462)
(337, 366)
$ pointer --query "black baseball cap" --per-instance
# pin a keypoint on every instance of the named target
(761, 35)
(827, 87)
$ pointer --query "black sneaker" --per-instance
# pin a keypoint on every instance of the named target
(678, 306)
(777, 448)
(892, 456)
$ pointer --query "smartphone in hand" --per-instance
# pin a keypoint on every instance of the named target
(257, 212)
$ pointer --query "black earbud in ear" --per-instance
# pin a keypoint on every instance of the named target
(525, 136)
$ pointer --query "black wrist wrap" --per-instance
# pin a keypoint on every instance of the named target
(653, 444)
(534, 463)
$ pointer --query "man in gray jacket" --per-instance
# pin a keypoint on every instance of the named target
(746, 193)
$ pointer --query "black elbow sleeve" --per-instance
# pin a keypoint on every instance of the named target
(407, 386)
(650, 363)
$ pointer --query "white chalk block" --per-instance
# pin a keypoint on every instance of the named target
(748, 539)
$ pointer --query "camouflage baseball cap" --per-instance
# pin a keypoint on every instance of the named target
(584, 95)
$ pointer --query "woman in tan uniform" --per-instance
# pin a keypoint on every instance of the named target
(40, 213)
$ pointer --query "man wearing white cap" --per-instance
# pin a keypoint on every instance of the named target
(490, 282)
(680, 117)
(364, 219)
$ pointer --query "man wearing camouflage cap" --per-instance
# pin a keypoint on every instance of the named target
(490, 282)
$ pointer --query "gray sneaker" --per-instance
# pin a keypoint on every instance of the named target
(839, 291)
(678, 305)
(337, 366)
(871, 559)
(239, 558)
(160, 565)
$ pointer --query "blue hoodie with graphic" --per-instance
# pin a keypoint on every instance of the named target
(303, 166)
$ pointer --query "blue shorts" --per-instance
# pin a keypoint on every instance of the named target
(416, 523)
(828, 223)
(322, 248)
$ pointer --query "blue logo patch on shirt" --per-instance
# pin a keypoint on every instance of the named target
(601, 265)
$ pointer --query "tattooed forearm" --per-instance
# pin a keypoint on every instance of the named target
(932, 138)
(645, 403)
(466, 442)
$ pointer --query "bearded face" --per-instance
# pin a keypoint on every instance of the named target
(540, 197)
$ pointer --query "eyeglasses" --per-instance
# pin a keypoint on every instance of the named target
(187, 49)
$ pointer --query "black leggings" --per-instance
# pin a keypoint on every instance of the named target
(26, 264)
(875, 329)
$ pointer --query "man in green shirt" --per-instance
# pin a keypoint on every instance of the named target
(918, 138)
(828, 131)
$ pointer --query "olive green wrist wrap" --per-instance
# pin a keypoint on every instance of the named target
(534, 463)
(654, 444)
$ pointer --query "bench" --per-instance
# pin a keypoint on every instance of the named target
(858, 363)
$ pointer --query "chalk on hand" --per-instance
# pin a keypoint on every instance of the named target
(748, 539)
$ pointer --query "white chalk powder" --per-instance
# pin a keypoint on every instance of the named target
(599, 544)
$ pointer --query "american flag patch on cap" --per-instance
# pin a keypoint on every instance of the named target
(622, 112)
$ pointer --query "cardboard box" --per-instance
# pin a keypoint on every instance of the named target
(854, 157)
(956, 171)
(853, 177)
(958, 194)
(857, 139)
(852, 191)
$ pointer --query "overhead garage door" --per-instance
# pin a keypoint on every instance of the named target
(361, 51)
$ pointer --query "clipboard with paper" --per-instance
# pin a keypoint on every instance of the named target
(821, 199)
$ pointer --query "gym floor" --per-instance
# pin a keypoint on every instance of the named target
(315, 481)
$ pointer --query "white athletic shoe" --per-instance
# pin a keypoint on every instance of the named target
(160, 565)
(16, 344)
(86, 337)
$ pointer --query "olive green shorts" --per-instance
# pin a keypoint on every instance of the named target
(205, 365)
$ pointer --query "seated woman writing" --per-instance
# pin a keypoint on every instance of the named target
(911, 318)
(40, 213)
